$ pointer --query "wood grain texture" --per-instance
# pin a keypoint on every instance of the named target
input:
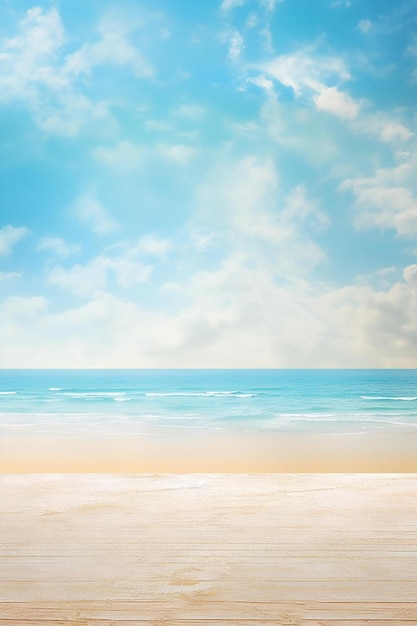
(290, 549)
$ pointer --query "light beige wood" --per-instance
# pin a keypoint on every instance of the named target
(290, 549)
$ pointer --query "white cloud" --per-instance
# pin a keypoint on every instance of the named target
(304, 72)
(337, 4)
(76, 335)
(236, 47)
(387, 199)
(122, 264)
(231, 4)
(236, 315)
(270, 4)
(31, 72)
(35, 71)
(394, 131)
(364, 26)
(252, 21)
(21, 307)
(410, 275)
(89, 210)
(263, 82)
(382, 278)
(113, 48)
(176, 152)
(245, 201)
(299, 130)
(338, 103)
(152, 245)
(381, 325)
(69, 113)
(9, 236)
(26, 60)
(192, 112)
(58, 246)
(385, 128)
(88, 279)
(80, 280)
(9, 275)
(125, 156)
(308, 74)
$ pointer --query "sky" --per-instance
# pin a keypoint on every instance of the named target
(227, 183)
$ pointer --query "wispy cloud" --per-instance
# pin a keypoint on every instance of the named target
(9, 236)
(84, 280)
(114, 47)
(315, 76)
(227, 5)
(262, 81)
(341, 4)
(192, 112)
(9, 275)
(236, 46)
(178, 153)
(267, 226)
(125, 156)
(58, 247)
(270, 5)
(32, 72)
(36, 71)
(387, 199)
(89, 210)
(152, 245)
(304, 72)
(364, 26)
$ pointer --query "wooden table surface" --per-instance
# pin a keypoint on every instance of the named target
(290, 549)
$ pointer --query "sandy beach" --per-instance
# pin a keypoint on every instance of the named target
(292, 549)
(225, 452)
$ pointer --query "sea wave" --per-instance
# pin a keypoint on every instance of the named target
(400, 398)
(201, 394)
(8, 393)
(93, 394)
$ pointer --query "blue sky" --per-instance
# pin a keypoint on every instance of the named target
(208, 184)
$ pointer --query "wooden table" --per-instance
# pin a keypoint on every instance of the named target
(177, 549)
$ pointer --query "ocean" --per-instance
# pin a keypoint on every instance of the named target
(178, 402)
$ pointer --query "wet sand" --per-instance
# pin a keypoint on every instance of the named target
(224, 452)
(224, 549)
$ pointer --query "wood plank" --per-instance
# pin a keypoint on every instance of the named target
(231, 612)
(199, 549)
(111, 610)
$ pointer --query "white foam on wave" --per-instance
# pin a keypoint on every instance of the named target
(56, 388)
(8, 393)
(94, 394)
(201, 394)
(401, 398)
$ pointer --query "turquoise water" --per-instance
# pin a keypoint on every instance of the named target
(175, 401)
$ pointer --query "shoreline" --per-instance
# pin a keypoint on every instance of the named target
(210, 453)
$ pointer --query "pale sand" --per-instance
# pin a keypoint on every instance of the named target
(209, 452)
(276, 549)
